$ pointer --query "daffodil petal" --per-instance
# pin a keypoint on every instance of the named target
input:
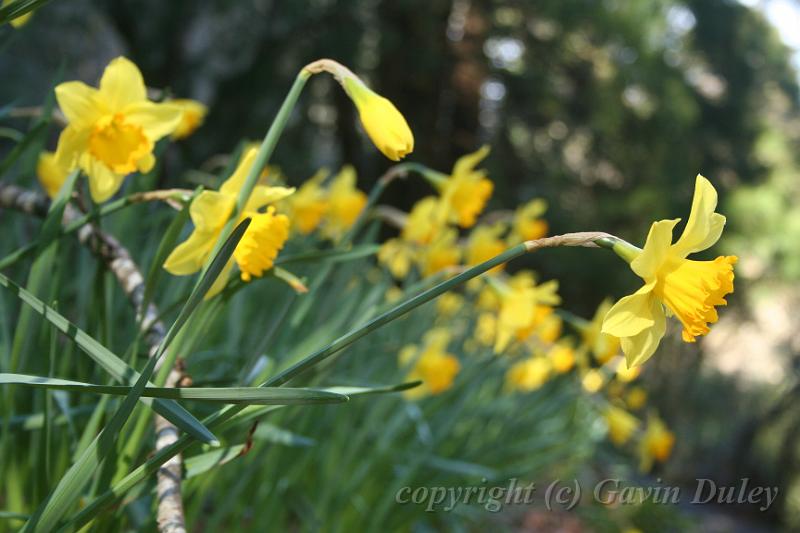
(263, 195)
(188, 257)
(210, 210)
(121, 84)
(704, 225)
(103, 182)
(71, 144)
(466, 163)
(655, 250)
(631, 315)
(78, 102)
(232, 185)
(639, 348)
(157, 120)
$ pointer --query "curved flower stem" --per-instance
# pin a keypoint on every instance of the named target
(583, 239)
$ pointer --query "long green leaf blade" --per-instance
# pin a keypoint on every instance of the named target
(232, 395)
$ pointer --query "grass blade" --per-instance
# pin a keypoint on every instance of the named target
(231, 395)
(112, 364)
(16, 9)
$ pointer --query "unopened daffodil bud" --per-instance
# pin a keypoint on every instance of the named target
(385, 125)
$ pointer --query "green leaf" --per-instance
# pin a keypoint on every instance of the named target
(335, 255)
(27, 141)
(277, 435)
(231, 395)
(112, 364)
(71, 485)
(199, 464)
(16, 9)
(164, 248)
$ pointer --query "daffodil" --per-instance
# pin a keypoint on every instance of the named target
(486, 329)
(192, 115)
(431, 363)
(345, 203)
(562, 356)
(422, 224)
(602, 345)
(593, 381)
(309, 204)
(441, 254)
(449, 304)
(210, 211)
(464, 194)
(527, 224)
(636, 398)
(397, 256)
(523, 305)
(484, 243)
(384, 124)
(51, 175)
(621, 424)
(688, 289)
(529, 374)
(656, 444)
(111, 130)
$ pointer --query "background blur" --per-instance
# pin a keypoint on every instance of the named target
(608, 109)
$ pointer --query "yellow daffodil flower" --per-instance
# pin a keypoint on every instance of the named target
(484, 243)
(210, 211)
(626, 374)
(112, 130)
(384, 124)
(422, 224)
(522, 308)
(464, 194)
(431, 364)
(621, 424)
(51, 175)
(192, 115)
(397, 256)
(440, 254)
(636, 398)
(449, 304)
(656, 444)
(550, 325)
(529, 374)
(602, 345)
(486, 329)
(689, 289)
(562, 356)
(345, 203)
(527, 224)
(593, 381)
(309, 204)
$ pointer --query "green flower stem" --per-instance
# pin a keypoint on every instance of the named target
(214, 420)
(262, 158)
(622, 248)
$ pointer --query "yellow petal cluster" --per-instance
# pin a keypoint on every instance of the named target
(112, 129)
(210, 211)
(689, 289)
(465, 193)
(430, 363)
(192, 115)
